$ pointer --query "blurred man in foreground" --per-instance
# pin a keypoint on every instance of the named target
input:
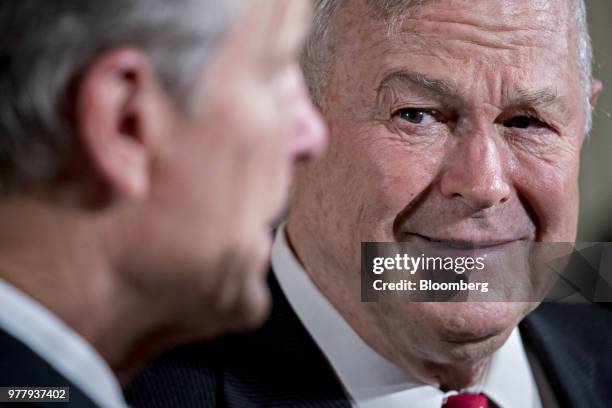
(146, 149)
(457, 122)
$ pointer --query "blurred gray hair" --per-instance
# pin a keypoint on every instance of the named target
(317, 59)
(45, 46)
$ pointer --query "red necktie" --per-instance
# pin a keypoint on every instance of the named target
(467, 401)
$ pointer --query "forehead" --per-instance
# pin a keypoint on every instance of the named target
(507, 42)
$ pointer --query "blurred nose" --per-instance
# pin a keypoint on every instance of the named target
(476, 173)
(309, 132)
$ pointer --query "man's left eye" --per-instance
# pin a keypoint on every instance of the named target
(524, 122)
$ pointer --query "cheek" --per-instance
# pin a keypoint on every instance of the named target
(256, 120)
(259, 145)
(386, 176)
(551, 190)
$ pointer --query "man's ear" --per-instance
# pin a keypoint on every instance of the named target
(596, 88)
(113, 108)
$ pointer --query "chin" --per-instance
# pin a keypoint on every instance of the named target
(252, 303)
(256, 310)
(471, 331)
(247, 309)
(448, 333)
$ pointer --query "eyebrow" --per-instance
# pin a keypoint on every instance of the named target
(437, 86)
(540, 98)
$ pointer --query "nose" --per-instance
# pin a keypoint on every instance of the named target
(476, 173)
(309, 132)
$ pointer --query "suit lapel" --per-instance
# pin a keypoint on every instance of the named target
(22, 367)
(279, 365)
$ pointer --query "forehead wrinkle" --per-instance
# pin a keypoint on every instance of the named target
(527, 21)
(496, 16)
(498, 27)
(442, 34)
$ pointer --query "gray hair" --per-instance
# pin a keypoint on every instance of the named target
(46, 45)
(317, 57)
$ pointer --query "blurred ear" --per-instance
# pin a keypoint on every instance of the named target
(116, 101)
(596, 88)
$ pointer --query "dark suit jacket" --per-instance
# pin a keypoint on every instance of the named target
(279, 365)
(22, 367)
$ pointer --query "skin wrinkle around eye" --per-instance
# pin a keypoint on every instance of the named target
(543, 105)
(546, 100)
(391, 96)
(389, 103)
(545, 152)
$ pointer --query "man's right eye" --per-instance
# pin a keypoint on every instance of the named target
(415, 116)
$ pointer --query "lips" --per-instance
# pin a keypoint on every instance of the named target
(463, 338)
(467, 243)
(464, 246)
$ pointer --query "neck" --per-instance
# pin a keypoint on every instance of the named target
(59, 257)
(329, 274)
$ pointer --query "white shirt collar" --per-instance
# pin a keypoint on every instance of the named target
(55, 342)
(373, 381)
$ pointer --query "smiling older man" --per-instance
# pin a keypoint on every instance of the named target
(454, 122)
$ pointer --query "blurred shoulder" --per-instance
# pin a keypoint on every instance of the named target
(278, 364)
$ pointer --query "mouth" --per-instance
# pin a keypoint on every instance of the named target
(462, 246)
(462, 243)
(281, 207)
(467, 338)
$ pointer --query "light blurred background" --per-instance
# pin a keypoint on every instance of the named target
(596, 179)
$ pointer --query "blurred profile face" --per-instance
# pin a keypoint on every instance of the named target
(464, 127)
(225, 176)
